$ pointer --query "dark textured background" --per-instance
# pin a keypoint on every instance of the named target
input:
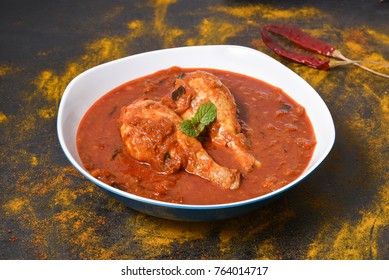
(49, 211)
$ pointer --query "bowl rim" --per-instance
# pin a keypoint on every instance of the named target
(141, 199)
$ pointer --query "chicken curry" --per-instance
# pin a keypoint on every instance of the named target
(154, 137)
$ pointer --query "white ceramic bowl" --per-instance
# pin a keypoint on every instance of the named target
(89, 86)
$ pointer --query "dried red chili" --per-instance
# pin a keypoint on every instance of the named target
(301, 38)
(307, 42)
(309, 60)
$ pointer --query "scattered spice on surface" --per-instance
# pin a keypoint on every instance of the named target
(77, 212)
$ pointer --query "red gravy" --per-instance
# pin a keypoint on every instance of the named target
(281, 136)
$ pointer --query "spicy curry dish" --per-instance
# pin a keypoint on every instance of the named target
(196, 136)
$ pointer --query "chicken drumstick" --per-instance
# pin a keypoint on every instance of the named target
(151, 132)
(198, 87)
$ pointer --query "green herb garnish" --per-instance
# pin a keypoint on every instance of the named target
(205, 114)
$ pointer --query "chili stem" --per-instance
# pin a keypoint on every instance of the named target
(335, 63)
(339, 55)
(372, 62)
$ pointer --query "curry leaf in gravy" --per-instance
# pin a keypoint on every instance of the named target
(182, 75)
(178, 92)
(285, 107)
(115, 154)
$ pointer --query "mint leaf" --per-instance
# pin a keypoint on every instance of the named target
(205, 114)
(189, 129)
(200, 127)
